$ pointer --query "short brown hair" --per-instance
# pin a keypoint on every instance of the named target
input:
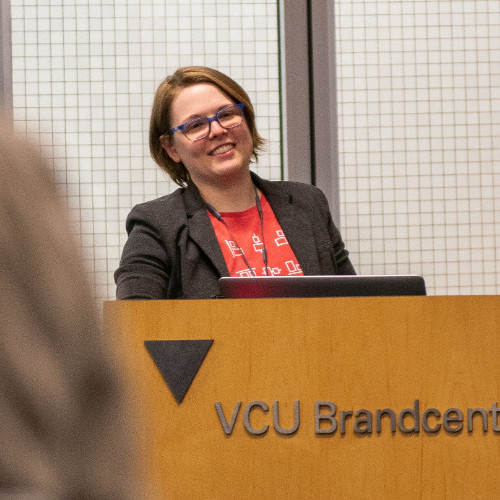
(161, 123)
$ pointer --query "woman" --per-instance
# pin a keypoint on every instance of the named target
(224, 220)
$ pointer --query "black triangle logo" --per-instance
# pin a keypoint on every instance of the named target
(178, 361)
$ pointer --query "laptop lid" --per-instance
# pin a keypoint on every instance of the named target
(321, 286)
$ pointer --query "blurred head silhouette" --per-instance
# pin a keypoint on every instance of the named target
(62, 423)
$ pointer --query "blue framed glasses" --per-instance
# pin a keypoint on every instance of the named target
(199, 128)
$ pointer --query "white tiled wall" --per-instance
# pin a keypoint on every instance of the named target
(84, 76)
(419, 139)
(419, 118)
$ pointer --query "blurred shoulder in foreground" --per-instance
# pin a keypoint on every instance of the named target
(63, 426)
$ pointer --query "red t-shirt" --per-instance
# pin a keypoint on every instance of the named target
(245, 236)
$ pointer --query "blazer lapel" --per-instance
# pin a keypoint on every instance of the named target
(201, 230)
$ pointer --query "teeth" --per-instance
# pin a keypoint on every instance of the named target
(222, 149)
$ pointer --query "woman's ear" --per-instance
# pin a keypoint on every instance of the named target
(167, 145)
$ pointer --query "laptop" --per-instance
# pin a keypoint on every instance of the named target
(321, 286)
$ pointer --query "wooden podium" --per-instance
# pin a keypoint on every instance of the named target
(305, 389)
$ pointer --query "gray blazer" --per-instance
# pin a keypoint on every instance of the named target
(172, 250)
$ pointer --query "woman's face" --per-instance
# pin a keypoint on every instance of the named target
(221, 157)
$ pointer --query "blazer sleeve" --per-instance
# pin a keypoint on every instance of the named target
(340, 255)
(144, 271)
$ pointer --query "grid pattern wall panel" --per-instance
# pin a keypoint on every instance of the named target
(84, 76)
(419, 139)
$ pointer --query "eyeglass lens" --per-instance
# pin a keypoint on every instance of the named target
(200, 128)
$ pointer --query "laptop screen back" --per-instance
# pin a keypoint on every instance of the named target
(321, 286)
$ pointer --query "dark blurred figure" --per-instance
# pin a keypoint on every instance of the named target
(63, 425)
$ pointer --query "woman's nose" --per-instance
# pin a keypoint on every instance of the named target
(216, 129)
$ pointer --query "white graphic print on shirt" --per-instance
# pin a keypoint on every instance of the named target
(258, 246)
(293, 268)
(244, 240)
(281, 239)
(236, 251)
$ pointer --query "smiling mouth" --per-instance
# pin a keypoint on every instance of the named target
(222, 149)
